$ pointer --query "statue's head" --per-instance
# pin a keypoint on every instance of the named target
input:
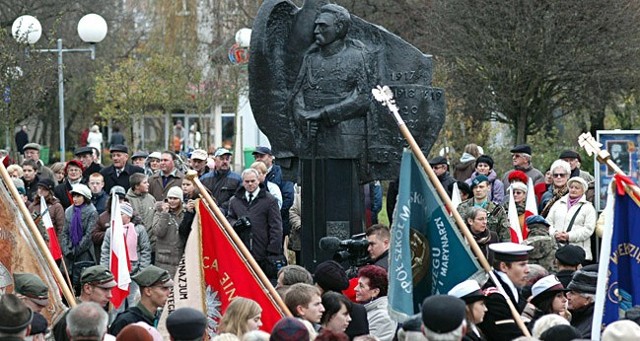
(332, 23)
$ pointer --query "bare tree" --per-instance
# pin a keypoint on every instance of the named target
(520, 61)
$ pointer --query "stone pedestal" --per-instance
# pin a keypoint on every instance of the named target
(332, 206)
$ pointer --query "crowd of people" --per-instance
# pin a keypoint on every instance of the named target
(550, 278)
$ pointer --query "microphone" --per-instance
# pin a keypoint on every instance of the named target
(330, 244)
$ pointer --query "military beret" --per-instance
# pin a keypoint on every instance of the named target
(443, 313)
(83, 150)
(569, 154)
(119, 148)
(477, 180)
(98, 276)
(536, 219)
(32, 287)
(32, 146)
(438, 160)
(521, 148)
(570, 255)
(153, 276)
(186, 324)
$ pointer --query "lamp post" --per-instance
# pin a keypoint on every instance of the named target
(92, 29)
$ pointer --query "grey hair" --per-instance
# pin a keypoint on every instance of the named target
(255, 335)
(250, 170)
(561, 164)
(453, 335)
(472, 213)
(87, 319)
(547, 321)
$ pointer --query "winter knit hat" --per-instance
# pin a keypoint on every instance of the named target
(289, 329)
(126, 209)
(175, 192)
(330, 276)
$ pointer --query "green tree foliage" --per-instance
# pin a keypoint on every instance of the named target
(134, 87)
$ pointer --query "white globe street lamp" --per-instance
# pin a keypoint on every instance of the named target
(92, 29)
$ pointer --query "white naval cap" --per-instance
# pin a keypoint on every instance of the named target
(469, 291)
(510, 252)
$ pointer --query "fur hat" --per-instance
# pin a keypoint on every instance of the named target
(580, 181)
(485, 159)
(584, 281)
(518, 175)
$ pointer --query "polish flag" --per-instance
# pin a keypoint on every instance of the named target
(530, 207)
(119, 260)
(54, 245)
(514, 221)
(456, 199)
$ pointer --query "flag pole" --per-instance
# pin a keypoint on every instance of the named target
(415, 148)
(40, 243)
(592, 147)
(193, 177)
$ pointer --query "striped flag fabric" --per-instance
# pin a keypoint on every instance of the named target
(54, 245)
(119, 263)
(514, 220)
(530, 207)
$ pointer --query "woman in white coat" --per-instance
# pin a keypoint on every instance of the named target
(574, 207)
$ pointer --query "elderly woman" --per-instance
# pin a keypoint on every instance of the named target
(476, 218)
(371, 291)
(573, 218)
(469, 291)
(484, 166)
(560, 171)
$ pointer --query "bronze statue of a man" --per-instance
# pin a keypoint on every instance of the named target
(330, 99)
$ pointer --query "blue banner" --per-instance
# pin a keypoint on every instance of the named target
(623, 286)
(428, 253)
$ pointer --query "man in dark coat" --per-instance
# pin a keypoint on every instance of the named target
(22, 139)
(441, 168)
(222, 182)
(510, 261)
(155, 286)
(120, 171)
(255, 215)
(568, 260)
(85, 155)
(581, 298)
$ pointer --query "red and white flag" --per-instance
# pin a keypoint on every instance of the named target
(514, 220)
(213, 272)
(530, 208)
(119, 263)
(54, 245)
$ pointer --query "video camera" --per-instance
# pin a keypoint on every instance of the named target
(351, 253)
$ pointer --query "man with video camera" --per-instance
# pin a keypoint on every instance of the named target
(254, 214)
(378, 236)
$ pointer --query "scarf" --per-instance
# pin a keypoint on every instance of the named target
(557, 194)
(131, 239)
(76, 229)
(571, 202)
(483, 237)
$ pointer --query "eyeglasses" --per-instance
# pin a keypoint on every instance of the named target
(559, 175)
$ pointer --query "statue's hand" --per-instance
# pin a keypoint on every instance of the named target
(314, 115)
